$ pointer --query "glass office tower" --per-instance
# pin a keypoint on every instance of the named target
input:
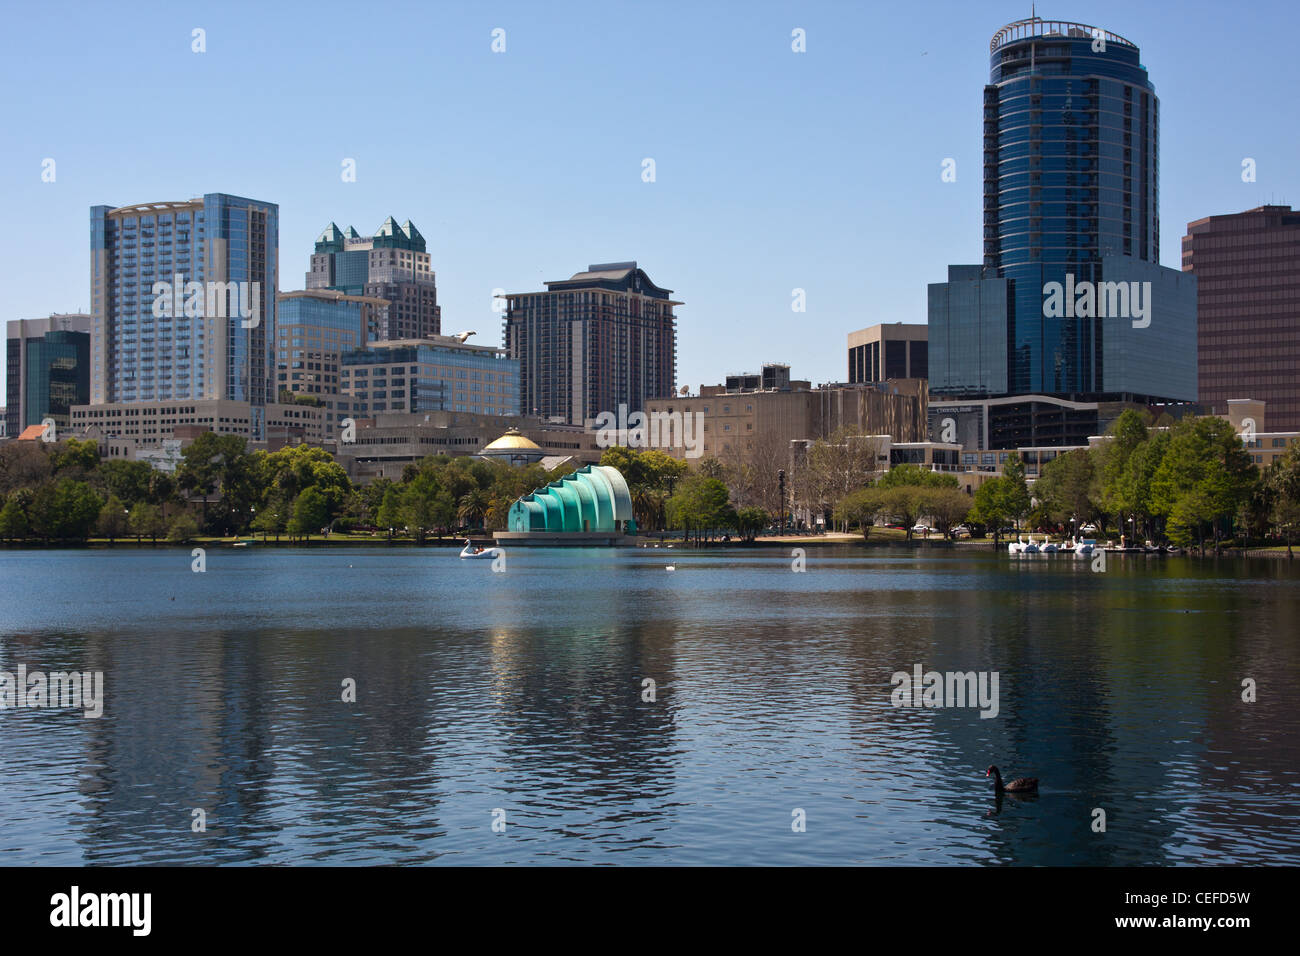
(48, 367)
(1071, 196)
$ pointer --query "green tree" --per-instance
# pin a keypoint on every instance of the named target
(111, 522)
(903, 505)
(310, 512)
(14, 524)
(1283, 483)
(125, 480)
(65, 509)
(147, 521)
(390, 511)
(992, 508)
(1016, 500)
(75, 456)
(427, 505)
(182, 528)
(1065, 487)
(221, 466)
(700, 505)
(272, 517)
(1112, 461)
(750, 521)
(860, 508)
(473, 507)
(908, 492)
(1203, 479)
(286, 473)
(946, 507)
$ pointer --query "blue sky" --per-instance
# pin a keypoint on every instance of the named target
(774, 170)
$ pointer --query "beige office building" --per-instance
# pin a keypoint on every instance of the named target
(883, 352)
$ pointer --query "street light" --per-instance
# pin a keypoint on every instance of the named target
(780, 484)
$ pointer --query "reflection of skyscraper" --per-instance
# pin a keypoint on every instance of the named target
(1070, 196)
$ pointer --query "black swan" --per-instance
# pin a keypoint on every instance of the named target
(1019, 785)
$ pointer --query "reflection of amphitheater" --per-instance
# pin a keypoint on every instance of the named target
(588, 507)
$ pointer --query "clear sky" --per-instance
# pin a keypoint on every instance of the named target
(774, 170)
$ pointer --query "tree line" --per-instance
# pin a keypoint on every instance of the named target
(64, 491)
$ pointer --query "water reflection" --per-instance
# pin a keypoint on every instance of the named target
(525, 693)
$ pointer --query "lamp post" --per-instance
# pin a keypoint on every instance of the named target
(780, 486)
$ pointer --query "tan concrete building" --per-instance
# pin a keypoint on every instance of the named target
(896, 350)
(386, 443)
(147, 424)
(740, 423)
(1247, 417)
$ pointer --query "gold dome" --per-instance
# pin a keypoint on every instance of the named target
(512, 442)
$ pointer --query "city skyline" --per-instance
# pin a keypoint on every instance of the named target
(762, 181)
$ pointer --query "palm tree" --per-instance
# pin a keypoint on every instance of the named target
(473, 507)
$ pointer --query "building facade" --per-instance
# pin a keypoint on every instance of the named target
(757, 425)
(387, 442)
(393, 265)
(1070, 300)
(603, 338)
(183, 301)
(881, 352)
(438, 373)
(141, 424)
(1019, 422)
(1247, 268)
(315, 327)
(47, 368)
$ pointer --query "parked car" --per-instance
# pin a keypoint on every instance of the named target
(1089, 528)
(921, 529)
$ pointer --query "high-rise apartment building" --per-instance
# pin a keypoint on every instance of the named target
(1247, 267)
(1070, 300)
(393, 265)
(183, 301)
(47, 367)
(588, 344)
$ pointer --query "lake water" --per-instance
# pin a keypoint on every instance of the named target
(521, 692)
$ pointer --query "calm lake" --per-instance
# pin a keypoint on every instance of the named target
(518, 698)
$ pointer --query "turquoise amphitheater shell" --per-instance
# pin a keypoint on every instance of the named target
(592, 499)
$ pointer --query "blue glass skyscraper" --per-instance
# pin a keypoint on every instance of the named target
(1071, 195)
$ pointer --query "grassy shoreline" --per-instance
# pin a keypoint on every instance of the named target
(880, 538)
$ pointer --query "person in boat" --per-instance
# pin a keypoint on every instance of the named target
(470, 546)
